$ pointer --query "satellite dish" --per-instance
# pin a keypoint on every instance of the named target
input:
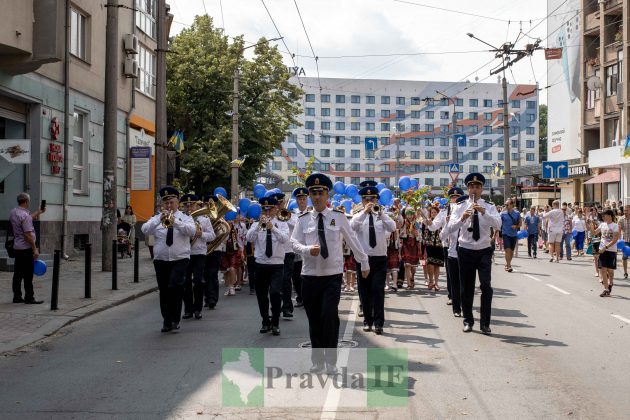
(476, 79)
(593, 83)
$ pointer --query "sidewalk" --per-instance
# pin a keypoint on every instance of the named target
(22, 324)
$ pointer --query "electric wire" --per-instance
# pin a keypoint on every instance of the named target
(309, 43)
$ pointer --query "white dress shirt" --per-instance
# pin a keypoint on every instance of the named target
(383, 226)
(290, 225)
(183, 230)
(279, 237)
(490, 219)
(336, 229)
(200, 247)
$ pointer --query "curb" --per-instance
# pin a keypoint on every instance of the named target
(72, 319)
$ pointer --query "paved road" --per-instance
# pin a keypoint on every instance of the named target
(557, 350)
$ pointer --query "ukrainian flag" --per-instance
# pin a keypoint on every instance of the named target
(497, 170)
(626, 149)
(177, 141)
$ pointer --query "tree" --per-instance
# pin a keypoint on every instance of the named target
(542, 131)
(199, 99)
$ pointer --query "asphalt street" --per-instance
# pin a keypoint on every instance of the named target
(557, 350)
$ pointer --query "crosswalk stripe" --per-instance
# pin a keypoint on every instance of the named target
(558, 289)
(620, 318)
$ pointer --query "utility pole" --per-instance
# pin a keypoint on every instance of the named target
(161, 142)
(235, 116)
(507, 175)
(109, 221)
(397, 160)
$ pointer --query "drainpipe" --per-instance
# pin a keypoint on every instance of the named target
(66, 130)
(131, 110)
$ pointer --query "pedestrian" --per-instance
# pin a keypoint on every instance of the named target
(301, 198)
(393, 251)
(473, 220)
(555, 226)
(567, 233)
(372, 228)
(624, 226)
(318, 238)
(269, 236)
(411, 250)
(433, 247)
(531, 224)
(231, 258)
(173, 231)
(579, 224)
(213, 266)
(130, 218)
(25, 249)
(545, 228)
(608, 250)
(510, 221)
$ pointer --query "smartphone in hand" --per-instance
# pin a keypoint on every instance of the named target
(42, 206)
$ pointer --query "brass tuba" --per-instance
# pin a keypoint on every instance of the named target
(220, 226)
(207, 210)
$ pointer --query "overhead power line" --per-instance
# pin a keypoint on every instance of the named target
(309, 43)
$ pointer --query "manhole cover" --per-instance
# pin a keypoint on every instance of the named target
(342, 344)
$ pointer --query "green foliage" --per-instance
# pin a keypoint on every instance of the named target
(416, 198)
(542, 120)
(302, 174)
(200, 77)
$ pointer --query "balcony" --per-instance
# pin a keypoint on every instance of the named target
(611, 51)
(606, 157)
(592, 22)
(613, 6)
(589, 117)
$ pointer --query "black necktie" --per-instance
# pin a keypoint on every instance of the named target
(169, 236)
(322, 237)
(475, 227)
(372, 232)
(268, 250)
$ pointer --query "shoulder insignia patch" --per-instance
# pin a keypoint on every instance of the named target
(338, 211)
(304, 214)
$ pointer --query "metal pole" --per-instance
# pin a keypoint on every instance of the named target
(397, 161)
(114, 266)
(235, 116)
(455, 145)
(88, 271)
(55, 281)
(507, 176)
(136, 260)
(111, 135)
(160, 97)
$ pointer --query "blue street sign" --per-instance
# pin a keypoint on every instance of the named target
(454, 168)
(555, 170)
(371, 143)
(460, 139)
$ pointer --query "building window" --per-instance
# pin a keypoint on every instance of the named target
(355, 140)
(325, 125)
(309, 112)
(384, 113)
(473, 115)
(429, 115)
(340, 140)
(385, 167)
(370, 99)
(292, 152)
(78, 34)
(444, 155)
(340, 112)
(444, 182)
(400, 114)
(429, 154)
(473, 155)
(369, 154)
(355, 99)
(415, 154)
(429, 127)
(355, 154)
(309, 125)
(487, 169)
(277, 152)
(487, 129)
(324, 139)
(487, 155)
(79, 153)
(416, 127)
(430, 141)
(145, 16)
(325, 98)
(400, 100)
(443, 141)
(355, 112)
(400, 127)
(530, 144)
(370, 126)
(474, 142)
(428, 181)
(385, 154)
(340, 99)
(459, 115)
(500, 143)
(355, 167)
(515, 156)
(530, 157)
(473, 168)
(444, 115)
(309, 152)
(500, 156)
(324, 152)
(340, 125)
(530, 130)
(146, 71)
(487, 142)
(276, 165)
(459, 102)
(384, 100)
(532, 117)
(530, 104)
(487, 103)
(611, 79)
(292, 138)
(369, 167)
(415, 101)
(384, 141)
(340, 153)
(309, 138)
(370, 113)
(515, 103)
(355, 180)
(415, 114)
(385, 126)
(514, 143)
(325, 112)
(473, 102)
(324, 167)
(355, 126)
(340, 167)
(310, 97)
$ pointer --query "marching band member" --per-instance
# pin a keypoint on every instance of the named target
(473, 219)
(212, 267)
(318, 238)
(231, 259)
(289, 256)
(373, 228)
(172, 230)
(410, 236)
(301, 198)
(433, 247)
(194, 286)
(269, 237)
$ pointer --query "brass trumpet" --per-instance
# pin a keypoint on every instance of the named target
(168, 219)
(284, 214)
(219, 224)
(264, 222)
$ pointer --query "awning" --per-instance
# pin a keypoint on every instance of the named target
(610, 176)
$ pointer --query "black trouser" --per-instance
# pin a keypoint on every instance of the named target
(471, 262)
(23, 270)
(372, 291)
(321, 296)
(448, 274)
(251, 272)
(297, 280)
(532, 243)
(269, 289)
(287, 287)
(454, 285)
(195, 285)
(211, 277)
(171, 276)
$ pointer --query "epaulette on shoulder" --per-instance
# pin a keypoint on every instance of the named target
(304, 214)
(339, 211)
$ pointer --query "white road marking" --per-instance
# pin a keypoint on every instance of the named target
(620, 318)
(558, 289)
(532, 277)
(329, 410)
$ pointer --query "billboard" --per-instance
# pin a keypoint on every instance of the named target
(563, 76)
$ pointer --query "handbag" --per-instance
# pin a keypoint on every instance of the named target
(9, 241)
(589, 250)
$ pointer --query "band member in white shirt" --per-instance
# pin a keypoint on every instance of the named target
(301, 198)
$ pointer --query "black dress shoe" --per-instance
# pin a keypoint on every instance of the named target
(206, 305)
(265, 329)
(33, 302)
(18, 300)
(275, 330)
(175, 326)
(197, 315)
(167, 327)
(486, 330)
(187, 315)
(331, 369)
(287, 314)
(317, 368)
(367, 328)
(457, 314)
(467, 328)
(378, 330)
(299, 304)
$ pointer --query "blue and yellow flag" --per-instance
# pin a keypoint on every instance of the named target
(626, 149)
(497, 170)
(177, 141)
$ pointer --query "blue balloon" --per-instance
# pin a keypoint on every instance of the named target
(337, 197)
(335, 204)
(443, 201)
(626, 251)
(348, 205)
(380, 186)
(352, 191)
(220, 191)
(244, 204)
(39, 267)
(574, 233)
(414, 183)
(269, 193)
(385, 196)
(356, 199)
(522, 234)
(259, 191)
(293, 205)
(404, 183)
(621, 244)
(230, 215)
(254, 211)
(277, 190)
(339, 187)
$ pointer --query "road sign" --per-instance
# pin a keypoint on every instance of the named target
(371, 143)
(454, 167)
(555, 170)
(454, 176)
(460, 139)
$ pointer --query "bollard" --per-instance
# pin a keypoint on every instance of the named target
(88, 271)
(114, 265)
(55, 281)
(136, 260)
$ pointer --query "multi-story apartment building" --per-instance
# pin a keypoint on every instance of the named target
(605, 72)
(385, 129)
(34, 80)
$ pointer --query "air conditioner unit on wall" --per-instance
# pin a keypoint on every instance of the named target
(131, 68)
(130, 44)
(620, 93)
